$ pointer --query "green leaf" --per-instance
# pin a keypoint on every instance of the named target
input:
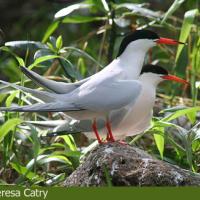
(59, 42)
(36, 144)
(35, 140)
(44, 159)
(50, 30)
(138, 9)
(185, 30)
(26, 44)
(54, 158)
(56, 179)
(25, 172)
(10, 99)
(68, 10)
(129, 6)
(19, 60)
(41, 53)
(173, 109)
(69, 141)
(69, 69)
(188, 147)
(160, 141)
(8, 126)
(163, 124)
(172, 9)
(82, 67)
(51, 47)
(192, 117)
(181, 113)
(42, 59)
(82, 19)
(52, 147)
(67, 153)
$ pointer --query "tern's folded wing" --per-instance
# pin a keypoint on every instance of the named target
(108, 96)
(43, 95)
(57, 87)
(43, 107)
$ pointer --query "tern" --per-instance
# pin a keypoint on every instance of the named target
(85, 99)
(127, 65)
(124, 105)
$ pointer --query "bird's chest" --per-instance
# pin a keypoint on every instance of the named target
(140, 112)
(146, 99)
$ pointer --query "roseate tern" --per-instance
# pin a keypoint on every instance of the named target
(124, 105)
(127, 65)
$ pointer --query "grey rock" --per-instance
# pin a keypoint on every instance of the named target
(124, 165)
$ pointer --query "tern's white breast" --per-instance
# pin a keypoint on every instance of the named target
(138, 117)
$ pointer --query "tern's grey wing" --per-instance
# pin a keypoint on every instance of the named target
(56, 106)
(43, 95)
(108, 96)
(57, 87)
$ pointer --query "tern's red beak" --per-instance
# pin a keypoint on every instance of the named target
(168, 41)
(174, 78)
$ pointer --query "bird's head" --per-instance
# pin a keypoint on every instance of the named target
(143, 40)
(155, 74)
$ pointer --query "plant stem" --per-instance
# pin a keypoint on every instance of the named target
(112, 32)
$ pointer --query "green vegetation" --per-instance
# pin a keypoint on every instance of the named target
(80, 40)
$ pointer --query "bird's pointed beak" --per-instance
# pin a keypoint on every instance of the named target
(174, 78)
(168, 41)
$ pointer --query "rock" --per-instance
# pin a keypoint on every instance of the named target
(124, 165)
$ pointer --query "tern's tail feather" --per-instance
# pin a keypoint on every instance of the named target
(43, 107)
(57, 87)
(44, 96)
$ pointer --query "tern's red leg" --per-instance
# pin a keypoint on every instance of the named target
(110, 135)
(107, 137)
(94, 127)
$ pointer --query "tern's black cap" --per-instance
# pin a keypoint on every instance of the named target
(156, 69)
(138, 34)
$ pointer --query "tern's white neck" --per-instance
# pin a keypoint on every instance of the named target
(132, 62)
(150, 79)
(132, 59)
